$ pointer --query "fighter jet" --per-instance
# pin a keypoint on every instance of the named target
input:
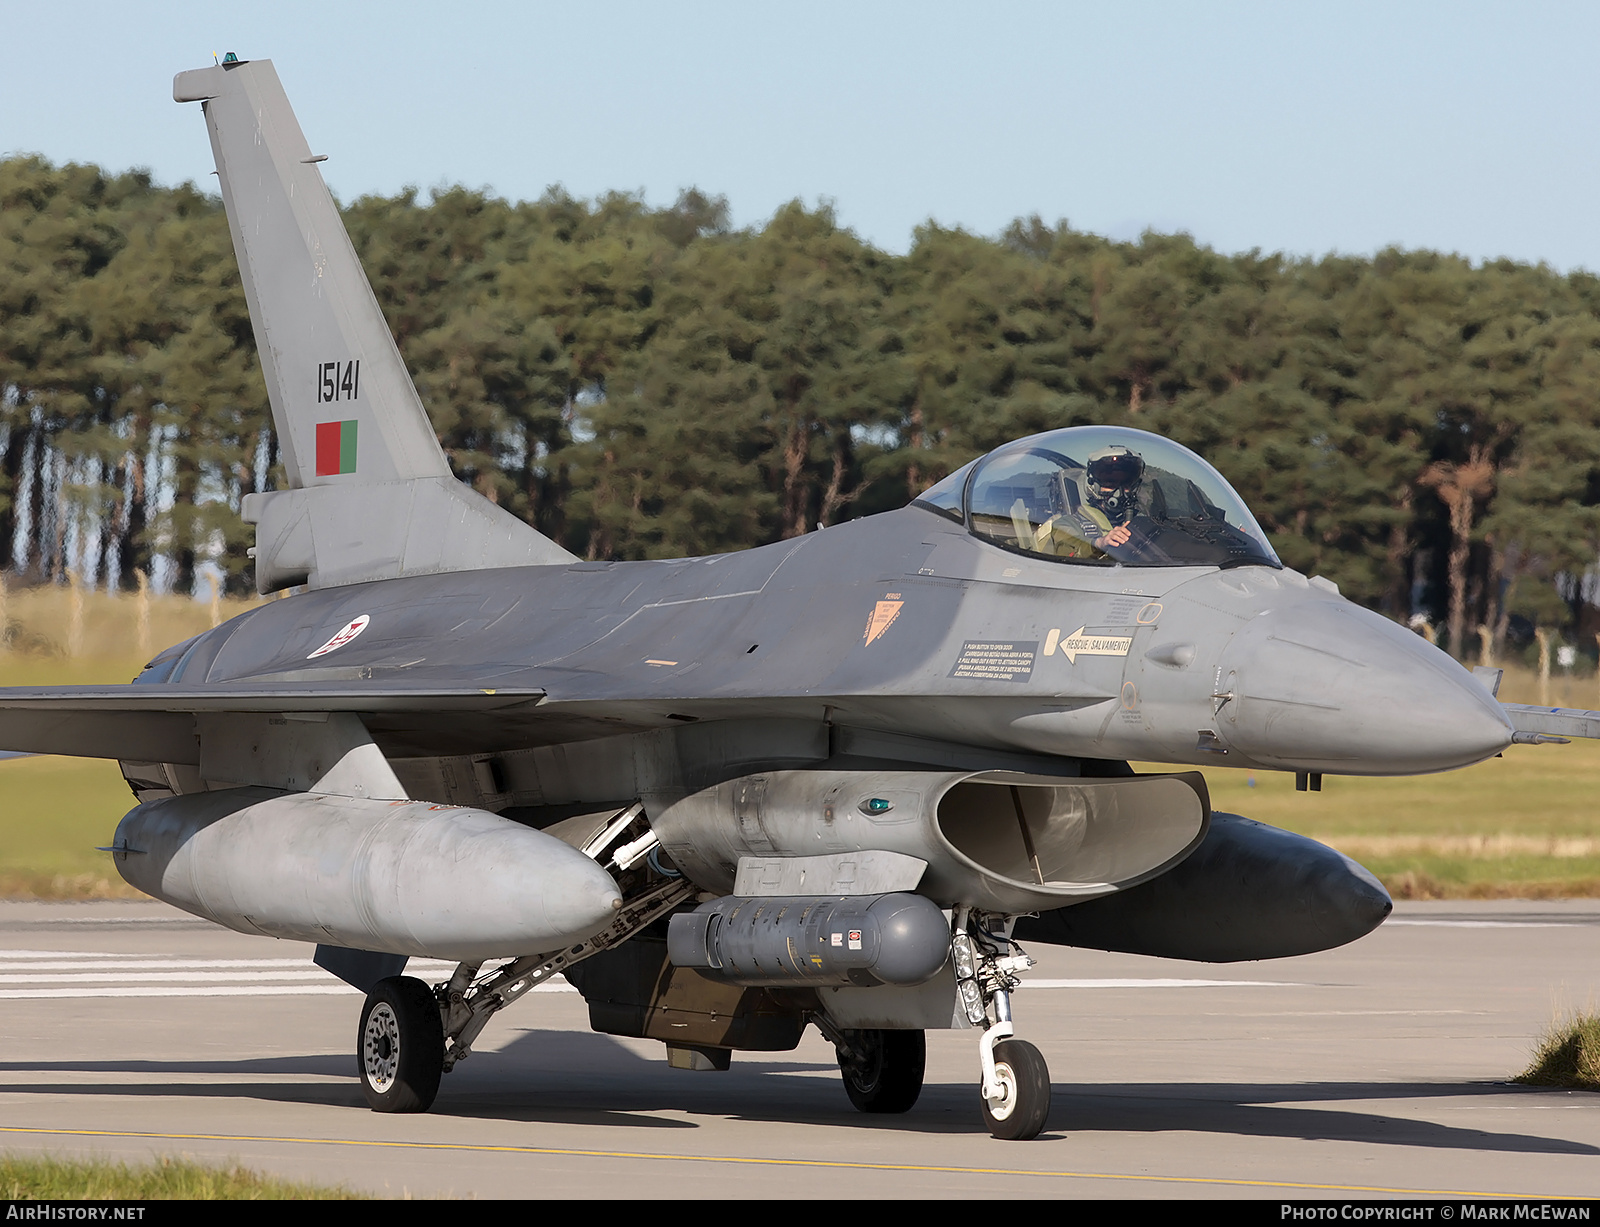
(832, 782)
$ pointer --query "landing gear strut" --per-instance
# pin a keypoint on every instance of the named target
(1015, 1092)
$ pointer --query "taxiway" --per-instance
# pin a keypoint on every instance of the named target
(132, 1030)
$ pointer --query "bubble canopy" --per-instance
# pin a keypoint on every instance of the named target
(1104, 495)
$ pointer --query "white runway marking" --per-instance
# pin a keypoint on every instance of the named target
(53, 974)
(52, 921)
(49, 974)
(217, 990)
(256, 966)
(1485, 924)
(1159, 983)
(57, 954)
(159, 977)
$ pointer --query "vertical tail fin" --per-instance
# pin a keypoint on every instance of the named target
(342, 401)
(347, 415)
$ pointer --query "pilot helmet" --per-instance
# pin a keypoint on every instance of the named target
(1114, 472)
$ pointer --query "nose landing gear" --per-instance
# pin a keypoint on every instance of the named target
(1015, 1091)
(1016, 1096)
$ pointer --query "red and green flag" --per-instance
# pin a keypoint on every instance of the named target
(336, 448)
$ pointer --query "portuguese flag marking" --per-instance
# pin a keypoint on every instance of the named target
(336, 448)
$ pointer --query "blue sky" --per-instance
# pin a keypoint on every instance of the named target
(1300, 127)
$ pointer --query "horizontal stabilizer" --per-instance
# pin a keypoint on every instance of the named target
(328, 536)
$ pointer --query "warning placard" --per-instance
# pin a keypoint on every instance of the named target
(996, 662)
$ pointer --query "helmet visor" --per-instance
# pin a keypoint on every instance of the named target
(1120, 472)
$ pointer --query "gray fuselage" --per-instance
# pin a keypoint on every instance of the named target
(904, 623)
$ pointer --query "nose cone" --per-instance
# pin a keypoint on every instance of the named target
(1324, 685)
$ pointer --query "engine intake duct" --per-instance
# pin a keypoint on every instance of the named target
(865, 940)
(1003, 841)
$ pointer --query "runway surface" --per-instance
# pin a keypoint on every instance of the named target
(132, 1030)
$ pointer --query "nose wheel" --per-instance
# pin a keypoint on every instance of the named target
(1018, 1104)
(400, 1046)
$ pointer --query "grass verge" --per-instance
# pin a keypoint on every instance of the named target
(1414, 883)
(54, 813)
(165, 1179)
(1568, 1055)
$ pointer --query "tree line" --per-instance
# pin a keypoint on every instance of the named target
(648, 382)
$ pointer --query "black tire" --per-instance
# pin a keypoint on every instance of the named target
(890, 1079)
(1021, 1070)
(400, 1046)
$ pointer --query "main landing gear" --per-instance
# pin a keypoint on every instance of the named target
(401, 1046)
(1015, 1092)
(412, 1034)
(882, 1070)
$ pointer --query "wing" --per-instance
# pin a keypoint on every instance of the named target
(158, 723)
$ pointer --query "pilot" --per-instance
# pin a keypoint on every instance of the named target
(1111, 488)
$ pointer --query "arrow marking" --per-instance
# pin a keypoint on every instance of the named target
(1078, 644)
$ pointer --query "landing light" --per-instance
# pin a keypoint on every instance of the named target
(961, 952)
(972, 999)
(873, 806)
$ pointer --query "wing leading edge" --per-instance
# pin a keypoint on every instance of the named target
(157, 723)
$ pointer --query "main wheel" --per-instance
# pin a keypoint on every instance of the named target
(1024, 1103)
(890, 1078)
(400, 1047)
